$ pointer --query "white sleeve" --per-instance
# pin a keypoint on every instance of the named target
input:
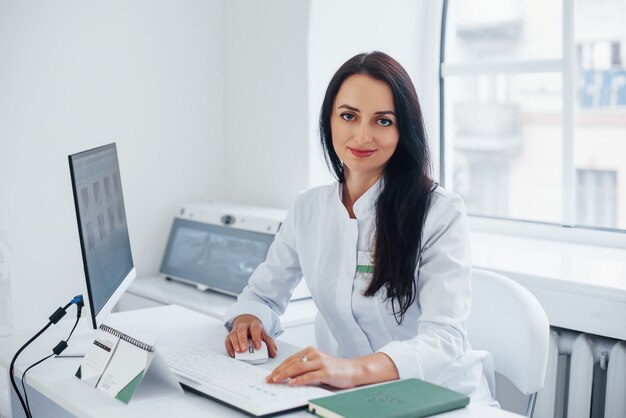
(443, 294)
(270, 286)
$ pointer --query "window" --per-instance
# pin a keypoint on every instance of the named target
(596, 198)
(534, 109)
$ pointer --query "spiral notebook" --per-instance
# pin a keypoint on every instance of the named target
(117, 364)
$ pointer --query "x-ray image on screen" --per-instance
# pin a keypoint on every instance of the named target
(84, 192)
(107, 187)
(90, 236)
(101, 227)
(217, 256)
(96, 191)
(121, 214)
(111, 219)
(116, 183)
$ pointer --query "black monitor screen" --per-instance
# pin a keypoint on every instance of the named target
(105, 245)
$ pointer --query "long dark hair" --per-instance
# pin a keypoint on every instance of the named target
(405, 195)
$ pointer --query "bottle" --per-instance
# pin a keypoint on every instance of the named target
(6, 307)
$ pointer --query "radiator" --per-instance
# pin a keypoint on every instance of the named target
(586, 377)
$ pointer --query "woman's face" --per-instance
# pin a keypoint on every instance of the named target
(363, 125)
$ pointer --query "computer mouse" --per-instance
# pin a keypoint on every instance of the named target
(254, 356)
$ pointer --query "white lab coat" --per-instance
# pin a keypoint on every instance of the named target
(319, 240)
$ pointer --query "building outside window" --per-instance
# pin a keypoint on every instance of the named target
(534, 109)
(596, 198)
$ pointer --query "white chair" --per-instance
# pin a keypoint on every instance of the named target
(508, 321)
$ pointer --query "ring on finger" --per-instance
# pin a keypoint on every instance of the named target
(304, 358)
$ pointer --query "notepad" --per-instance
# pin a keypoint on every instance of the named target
(408, 398)
(116, 364)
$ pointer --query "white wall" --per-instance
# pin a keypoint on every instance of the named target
(206, 100)
(266, 101)
(77, 74)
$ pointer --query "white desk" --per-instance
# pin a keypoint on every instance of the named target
(297, 321)
(55, 392)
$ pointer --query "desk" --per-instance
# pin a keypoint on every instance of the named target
(297, 321)
(55, 392)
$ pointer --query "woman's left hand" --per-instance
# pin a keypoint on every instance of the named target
(310, 366)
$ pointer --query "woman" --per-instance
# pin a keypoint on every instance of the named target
(384, 251)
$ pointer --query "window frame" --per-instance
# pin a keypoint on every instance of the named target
(567, 230)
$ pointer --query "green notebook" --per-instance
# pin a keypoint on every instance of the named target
(409, 398)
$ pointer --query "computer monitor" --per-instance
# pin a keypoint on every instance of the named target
(216, 257)
(102, 228)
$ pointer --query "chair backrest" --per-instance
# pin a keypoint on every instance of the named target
(508, 321)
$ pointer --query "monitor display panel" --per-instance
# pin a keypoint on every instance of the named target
(219, 257)
(102, 228)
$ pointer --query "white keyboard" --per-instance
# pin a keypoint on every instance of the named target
(234, 382)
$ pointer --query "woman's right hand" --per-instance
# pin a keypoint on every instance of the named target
(244, 327)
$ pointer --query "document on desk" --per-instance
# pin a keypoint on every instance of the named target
(116, 364)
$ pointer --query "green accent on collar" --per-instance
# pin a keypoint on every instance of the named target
(364, 269)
